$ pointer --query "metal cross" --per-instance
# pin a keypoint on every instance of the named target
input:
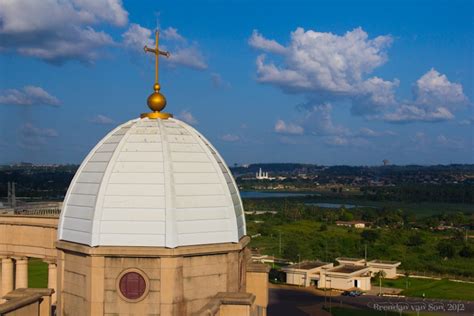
(157, 53)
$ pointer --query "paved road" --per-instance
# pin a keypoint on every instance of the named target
(286, 301)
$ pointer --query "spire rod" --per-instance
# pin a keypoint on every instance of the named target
(156, 101)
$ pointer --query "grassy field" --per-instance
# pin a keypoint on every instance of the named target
(421, 209)
(37, 273)
(443, 289)
(343, 311)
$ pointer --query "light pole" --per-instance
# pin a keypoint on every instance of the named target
(279, 247)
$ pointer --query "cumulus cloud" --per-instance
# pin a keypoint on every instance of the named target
(183, 52)
(282, 127)
(172, 34)
(367, 132)
(101, 120)
(57, 31)
(136, 37)
(434, 88)
(187, 117)
(32, 137)
(327, 66)
(435, 99)
(468, 121)
(218, 82)
(259, 42)
(318, 120)
(410, 113)
(230, 138)
(28, 95)
(450, 143)
(337, 69)
(337, 141)
(189, 56)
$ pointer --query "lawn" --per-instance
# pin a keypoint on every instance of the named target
(443, 289)
(344, 311)
(37, 273)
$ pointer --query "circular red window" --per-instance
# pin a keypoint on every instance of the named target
(132, 285)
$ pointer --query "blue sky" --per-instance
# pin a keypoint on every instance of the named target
(326, 82)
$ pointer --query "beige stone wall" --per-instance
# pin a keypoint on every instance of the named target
(390, 272)
(296, 278)
(180, 282)
(364, 283)
(345, 283)
(28, 236)
(73, 294)
(257, 284)
(114, 304)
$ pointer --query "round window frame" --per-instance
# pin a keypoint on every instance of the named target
(143, 275)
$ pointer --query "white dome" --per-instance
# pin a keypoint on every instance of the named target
(152, 183)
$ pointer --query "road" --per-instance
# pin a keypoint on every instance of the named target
(286, 301)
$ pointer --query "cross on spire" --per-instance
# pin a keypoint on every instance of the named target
(157, 53)
(156, 101)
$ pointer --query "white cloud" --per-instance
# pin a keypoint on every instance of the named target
(420, 139)
(468, 121)
(337, 141)
(183, 53)
(288, 128)
(435, 99)
(101, 119)
(230, 138)
(190, 57)
(136, 37)
(172, 34)
(367, 132)
(326, 66)
(410, 113)
(57, 31)
(259, 42)
(29, 129)
(28, 95)
(450, 143)
(318, 121)
(32, 137)
(187, 117)
(218, 82)
(434, 89)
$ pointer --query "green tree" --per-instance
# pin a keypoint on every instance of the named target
(370, 235)
(446, 249)
(415, 240)
(467, 252)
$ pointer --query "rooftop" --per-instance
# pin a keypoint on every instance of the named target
(384, 262)
(347, 269)
(308, 265)
(349, 259)
(152, 182)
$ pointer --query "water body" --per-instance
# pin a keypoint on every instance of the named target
(258, 194)
(333, 205)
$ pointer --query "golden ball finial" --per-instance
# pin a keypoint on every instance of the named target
(156, 101)
(156, 87)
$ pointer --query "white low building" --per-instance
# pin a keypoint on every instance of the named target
(388, 267)
(345, 277)
(305, 273)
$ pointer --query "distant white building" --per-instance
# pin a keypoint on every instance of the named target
(260, 175)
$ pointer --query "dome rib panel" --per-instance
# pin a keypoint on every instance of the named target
(152, 183)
